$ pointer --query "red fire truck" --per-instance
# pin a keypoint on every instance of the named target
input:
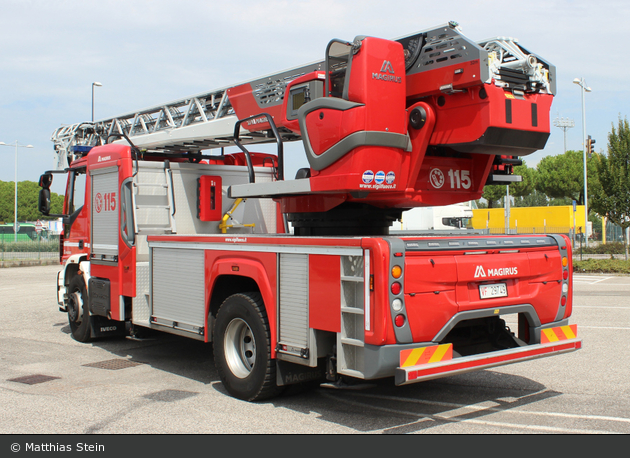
(297, 280)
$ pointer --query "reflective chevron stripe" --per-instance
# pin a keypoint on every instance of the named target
(558, 334)
(426, 355)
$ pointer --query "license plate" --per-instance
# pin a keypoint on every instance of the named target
(491, 291)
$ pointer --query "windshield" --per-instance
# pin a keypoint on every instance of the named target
(459, 223)
(75, 197)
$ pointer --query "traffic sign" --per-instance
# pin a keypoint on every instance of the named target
(38, 226)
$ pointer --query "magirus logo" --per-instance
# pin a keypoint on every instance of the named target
(480, 272)
(387, 73)
(387, 67)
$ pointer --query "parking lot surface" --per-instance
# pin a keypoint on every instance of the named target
(51, 384)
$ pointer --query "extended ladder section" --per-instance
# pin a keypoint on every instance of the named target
(207, 120)
(196, 123)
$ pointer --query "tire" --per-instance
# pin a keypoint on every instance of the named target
(78, 310)
(242, 349)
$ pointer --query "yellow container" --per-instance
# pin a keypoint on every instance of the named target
(531, 219)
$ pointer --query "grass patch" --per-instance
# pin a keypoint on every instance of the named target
(605, 266)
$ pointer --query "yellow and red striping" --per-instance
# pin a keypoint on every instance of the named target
(558, 334)
(426, 355)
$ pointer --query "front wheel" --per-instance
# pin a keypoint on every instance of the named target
(78, 311)
(242, 348)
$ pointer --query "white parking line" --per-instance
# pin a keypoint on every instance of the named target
(604, 327)
(589, 280)
(473, 408)
(599, 307)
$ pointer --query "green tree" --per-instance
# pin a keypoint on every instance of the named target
(493, 194)
(28, 197)
(527, 185)
(562, 177)
(481, 203)
(534, 199)
(612, 198)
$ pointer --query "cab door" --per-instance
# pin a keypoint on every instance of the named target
(104, 287)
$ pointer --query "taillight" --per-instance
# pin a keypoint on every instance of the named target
(399, 320)
(397, 305)
(396, 271)
(396, 288)
(565, 275)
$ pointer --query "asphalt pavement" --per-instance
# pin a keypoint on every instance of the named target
(51, 384)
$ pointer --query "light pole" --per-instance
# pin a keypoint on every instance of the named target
(580, 82)
(94, 84)
(17, 145)
(564, 124)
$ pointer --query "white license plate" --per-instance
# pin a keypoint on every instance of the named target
(491, 291)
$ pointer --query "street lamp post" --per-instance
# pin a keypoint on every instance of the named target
(17, 145)
(580, 82)
(94, 84)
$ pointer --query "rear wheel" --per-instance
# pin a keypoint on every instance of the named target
(242, 348)
(78, 312)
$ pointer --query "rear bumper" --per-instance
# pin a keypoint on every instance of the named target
(413, 374)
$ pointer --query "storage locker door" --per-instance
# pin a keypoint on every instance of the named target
(293, 313)
(105, 202)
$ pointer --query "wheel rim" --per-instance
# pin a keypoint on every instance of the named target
(75, 307)
(240, 348)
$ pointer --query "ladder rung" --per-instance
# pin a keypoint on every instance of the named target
(154, 228)
(352, 310)
(353, 342)
(146, 185)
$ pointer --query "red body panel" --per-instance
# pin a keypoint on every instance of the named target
(245, 105)
(324, 292)
(260, 267)
(379, 86)
(429, 82)
(465, 117)
(434, 291)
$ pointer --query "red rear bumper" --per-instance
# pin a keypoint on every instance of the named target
(413, 374)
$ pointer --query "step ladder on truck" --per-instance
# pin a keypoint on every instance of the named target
(176, 235)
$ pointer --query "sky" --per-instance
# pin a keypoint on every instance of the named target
(147, 52)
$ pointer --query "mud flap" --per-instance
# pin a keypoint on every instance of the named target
(102, 327)
(100, 296)
(290, 373)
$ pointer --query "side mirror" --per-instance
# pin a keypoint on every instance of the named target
(43, 205)
(45, 180)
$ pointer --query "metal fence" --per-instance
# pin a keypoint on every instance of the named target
(568, 231)
(48, 249)
(21, 250)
